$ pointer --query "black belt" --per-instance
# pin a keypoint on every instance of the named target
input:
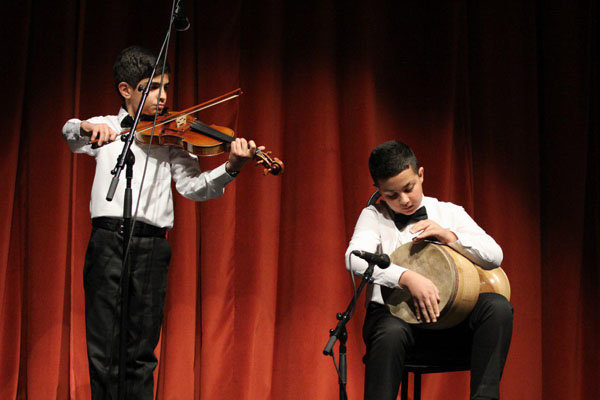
(139, 229)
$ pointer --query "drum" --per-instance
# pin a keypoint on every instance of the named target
(458, 280)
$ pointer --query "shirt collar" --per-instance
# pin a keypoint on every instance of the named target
(122, 114)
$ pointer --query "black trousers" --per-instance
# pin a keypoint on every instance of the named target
(150, 257)
(482, 339)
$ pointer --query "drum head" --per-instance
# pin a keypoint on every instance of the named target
(431, 261)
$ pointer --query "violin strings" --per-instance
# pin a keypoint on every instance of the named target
(183, 114)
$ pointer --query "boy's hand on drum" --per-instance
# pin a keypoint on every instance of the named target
(424, 293)
(430, 229)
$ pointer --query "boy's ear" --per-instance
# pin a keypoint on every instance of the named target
(125, 90)
(421, 174)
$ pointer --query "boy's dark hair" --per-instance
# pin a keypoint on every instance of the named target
(134, 64)
(389, 159)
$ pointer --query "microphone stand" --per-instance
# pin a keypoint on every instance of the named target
(340, 333)
(126, 158)
(125, 273)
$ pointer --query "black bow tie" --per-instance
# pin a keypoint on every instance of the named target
(127, 122)
(401, 220)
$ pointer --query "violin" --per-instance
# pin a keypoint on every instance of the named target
(182, 130)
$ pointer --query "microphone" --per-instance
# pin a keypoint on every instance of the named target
(381, 260)
(180, 21)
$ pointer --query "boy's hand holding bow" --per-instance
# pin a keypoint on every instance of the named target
(102, 132)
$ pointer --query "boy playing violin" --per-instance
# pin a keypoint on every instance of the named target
(150, 252)
(406, 215)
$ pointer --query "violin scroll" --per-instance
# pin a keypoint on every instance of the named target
(271, 165)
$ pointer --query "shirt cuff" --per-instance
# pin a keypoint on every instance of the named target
(389, 277)
(220, 176)
(73, 129)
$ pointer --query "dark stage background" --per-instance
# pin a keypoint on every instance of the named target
(499, 99)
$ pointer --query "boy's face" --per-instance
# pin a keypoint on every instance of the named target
(133, 96)
(403, 192)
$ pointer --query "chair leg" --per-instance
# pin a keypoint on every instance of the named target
(417, 386)
(404, 386)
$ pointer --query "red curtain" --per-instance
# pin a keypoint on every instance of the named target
(498, 99)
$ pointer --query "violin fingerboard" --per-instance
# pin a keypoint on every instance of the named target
(199, 127)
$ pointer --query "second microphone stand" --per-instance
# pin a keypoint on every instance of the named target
(340, 333)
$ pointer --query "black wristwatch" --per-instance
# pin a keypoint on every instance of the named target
(232, 174)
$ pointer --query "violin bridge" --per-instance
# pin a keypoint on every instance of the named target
(180, 121)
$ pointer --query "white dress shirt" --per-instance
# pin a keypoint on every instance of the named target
(164, 163)
(376, 226)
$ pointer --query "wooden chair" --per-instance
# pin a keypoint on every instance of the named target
(418, 369)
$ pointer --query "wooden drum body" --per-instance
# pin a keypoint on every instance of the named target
(458, 280)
